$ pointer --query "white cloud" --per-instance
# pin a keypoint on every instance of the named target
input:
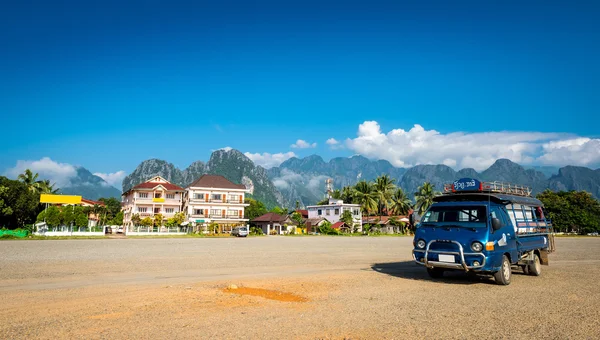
(268, 160)
(286, 178)
(115, 179)
(334, 144)
(476, 150)
(58, 173)
(576, 151)
(302, 144)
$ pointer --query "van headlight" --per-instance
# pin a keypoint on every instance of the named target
(477, 246)
(421, 244)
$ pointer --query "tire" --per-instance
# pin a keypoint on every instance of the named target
(525, 269)
(435, 273)
(504, 275)
(535, 267)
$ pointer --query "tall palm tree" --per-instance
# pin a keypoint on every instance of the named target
(384, 186)
(347, 194)
(45, 187)
(424, 197)
(365, 195)
(29, 179)
(336, 194)
(401, 204)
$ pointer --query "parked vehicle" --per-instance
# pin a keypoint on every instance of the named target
(484, 228)
(240, 231)
(107, 230)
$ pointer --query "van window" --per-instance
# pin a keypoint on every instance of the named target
(496, 212)
(455, 214)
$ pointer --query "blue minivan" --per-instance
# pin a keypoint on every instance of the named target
(485, 228)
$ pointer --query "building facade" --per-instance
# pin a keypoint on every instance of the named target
(155, 196)
(214, 200)
(334, 210)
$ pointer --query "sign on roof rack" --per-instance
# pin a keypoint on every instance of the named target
(473, 185)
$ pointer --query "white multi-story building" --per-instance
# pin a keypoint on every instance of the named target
(215, 199)
(334, 210)
(155, 196)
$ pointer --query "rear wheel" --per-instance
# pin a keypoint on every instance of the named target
(435, 273)
(504, 275)
(535, 267)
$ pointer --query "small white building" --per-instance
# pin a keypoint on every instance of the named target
(333, 211)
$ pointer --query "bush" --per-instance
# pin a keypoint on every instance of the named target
(256, 231)
(326, 229)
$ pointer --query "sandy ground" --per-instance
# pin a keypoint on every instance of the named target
(288, 287)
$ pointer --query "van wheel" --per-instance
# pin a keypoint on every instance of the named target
(435, 273)
(525, 269)
(504, 275)
(535, 267)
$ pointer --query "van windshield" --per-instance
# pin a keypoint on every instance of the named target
(462, 214)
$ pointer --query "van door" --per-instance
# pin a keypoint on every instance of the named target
(504, 238)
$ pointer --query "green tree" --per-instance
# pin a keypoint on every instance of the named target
(21, 205)
(118, 219)
(67, 217)
(158, 220)
(384, 187)
(570, 211)
(280, 211)
(297, 218)
(365, 195)
(424, 197)
(81, 217)
(135, 219)
(347, 218)
(401, 204)
(30, 180)
(254, 209)
(5, 210)
(146, 222)
(113, 206)
(53, 216)
(178, 218)
(347, 193)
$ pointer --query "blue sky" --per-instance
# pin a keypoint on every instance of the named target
(107, 84)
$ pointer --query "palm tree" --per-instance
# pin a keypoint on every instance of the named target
(30, 180)
(365, 195)
(384, 186)
(45, 187)
(347, 194)
(336, 194)
(401, 204)
(424, 197)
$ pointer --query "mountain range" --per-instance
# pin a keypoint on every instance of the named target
(302, 180)
(89, 186)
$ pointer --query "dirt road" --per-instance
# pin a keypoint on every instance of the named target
(287, 287)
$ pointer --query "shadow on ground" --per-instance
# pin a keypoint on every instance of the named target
(411, 270)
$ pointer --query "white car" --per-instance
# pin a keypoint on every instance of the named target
(240, 231)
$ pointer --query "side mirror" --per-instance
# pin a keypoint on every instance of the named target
(496, 224)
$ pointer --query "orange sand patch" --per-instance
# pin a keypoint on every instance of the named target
(108, 316)
(267, 294)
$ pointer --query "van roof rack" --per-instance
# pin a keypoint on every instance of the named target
(472, 185)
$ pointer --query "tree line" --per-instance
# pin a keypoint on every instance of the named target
(20, 205)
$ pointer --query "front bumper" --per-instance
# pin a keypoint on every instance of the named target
(421, 256)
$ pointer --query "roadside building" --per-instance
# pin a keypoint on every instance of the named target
(93, 217)
(341, 226)
(386, 224)
(155, 196)
(215, 200)
(334, 210)
(274, 224)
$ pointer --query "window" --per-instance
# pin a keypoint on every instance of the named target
(157, 195)
(232, 213)
(143, 195)
(356, 212)
(214, 212)
(234, 198)
(169, 210)
(216, 197)
(199, 196)
(455, 214)
(327, 211)
(157, 210)
(142, 209)
(198, 211)
(171, 196)
(319, 212)
(337, 211)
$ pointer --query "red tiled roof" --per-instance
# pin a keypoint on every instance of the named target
(84, 200)
(216, 181)
(152, 185)
(270, 217)
(338, 225)
(304, 213)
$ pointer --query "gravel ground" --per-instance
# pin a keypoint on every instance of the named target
(287, 287)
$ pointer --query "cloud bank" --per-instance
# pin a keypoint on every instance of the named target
(58, 173)
(475, 150)
(115, 179)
